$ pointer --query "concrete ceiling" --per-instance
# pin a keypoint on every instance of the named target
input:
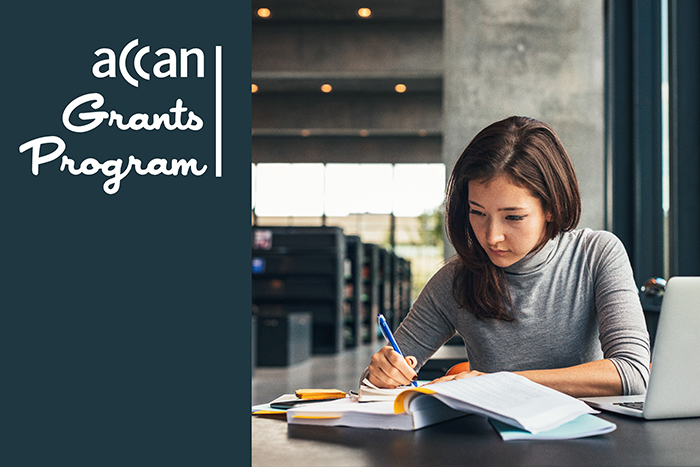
(340, 10)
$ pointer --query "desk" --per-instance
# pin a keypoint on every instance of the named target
(471, 440)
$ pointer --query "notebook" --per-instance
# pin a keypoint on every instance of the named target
(674, 382)
(368, 392)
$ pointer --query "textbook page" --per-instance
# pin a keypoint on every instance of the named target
(368, 392)
(507, 397)
(351, 413)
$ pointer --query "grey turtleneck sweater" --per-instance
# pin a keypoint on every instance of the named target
(575, 301)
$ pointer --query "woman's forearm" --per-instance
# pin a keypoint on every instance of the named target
(598, 378)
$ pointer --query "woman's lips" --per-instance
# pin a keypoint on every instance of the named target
(497, 252)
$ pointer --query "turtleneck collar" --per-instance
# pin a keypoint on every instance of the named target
(534, 261)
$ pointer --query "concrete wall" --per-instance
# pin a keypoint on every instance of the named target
(540, 58)
(486, 60)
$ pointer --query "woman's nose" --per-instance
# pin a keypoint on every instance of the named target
(494, 233)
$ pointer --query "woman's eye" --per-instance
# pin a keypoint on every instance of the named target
(475, 212)
(515, 218)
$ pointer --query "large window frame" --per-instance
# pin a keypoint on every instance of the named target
(684, 62)
(652, 143)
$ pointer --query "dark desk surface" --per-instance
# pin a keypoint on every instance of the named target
(471, 440)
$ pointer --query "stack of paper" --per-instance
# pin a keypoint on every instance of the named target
(348, 412)
(524, 409)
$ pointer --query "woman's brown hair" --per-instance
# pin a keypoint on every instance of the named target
(529, 153)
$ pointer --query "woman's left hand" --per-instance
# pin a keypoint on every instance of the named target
(462, 375)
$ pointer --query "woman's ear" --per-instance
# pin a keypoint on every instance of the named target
(548, 217)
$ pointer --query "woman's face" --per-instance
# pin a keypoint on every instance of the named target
(508, 220)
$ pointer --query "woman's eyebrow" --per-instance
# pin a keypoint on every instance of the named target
(514, 208)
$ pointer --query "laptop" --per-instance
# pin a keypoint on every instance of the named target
(674, 382)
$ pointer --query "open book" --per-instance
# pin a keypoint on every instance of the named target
(350, 412)
(368, 392)
(505, 397)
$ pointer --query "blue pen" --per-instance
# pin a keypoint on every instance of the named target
(386, 332)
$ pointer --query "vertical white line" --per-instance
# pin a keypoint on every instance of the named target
(218, 111)
(665, 139)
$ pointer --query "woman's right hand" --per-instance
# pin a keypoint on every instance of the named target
(388, 369)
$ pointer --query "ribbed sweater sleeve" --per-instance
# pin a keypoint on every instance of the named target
(623, 334)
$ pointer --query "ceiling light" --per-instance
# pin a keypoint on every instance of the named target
(364, 12)
(264, 12)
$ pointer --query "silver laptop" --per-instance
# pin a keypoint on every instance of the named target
(674, 382)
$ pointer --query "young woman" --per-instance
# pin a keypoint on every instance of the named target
(526, 292)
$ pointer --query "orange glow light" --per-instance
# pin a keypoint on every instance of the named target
(254, 88)
(364, 12)
(326, 88)
(400, 88)
(264, 12)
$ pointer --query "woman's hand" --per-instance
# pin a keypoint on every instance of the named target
(388, 369)
(462, 375)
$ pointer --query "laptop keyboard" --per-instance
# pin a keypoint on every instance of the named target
(631, 405)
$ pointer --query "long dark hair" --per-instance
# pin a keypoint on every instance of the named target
(529, 153)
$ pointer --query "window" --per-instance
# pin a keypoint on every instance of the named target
(397, 206)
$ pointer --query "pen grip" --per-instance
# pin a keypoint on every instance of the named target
(393, 343)
(384, 327)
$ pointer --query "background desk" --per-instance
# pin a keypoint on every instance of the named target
(471, 440)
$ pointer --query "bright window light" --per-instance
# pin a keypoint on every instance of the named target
(289, 190)
(407, 190)
(418, 188)
(358, 188)
(252, 186)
